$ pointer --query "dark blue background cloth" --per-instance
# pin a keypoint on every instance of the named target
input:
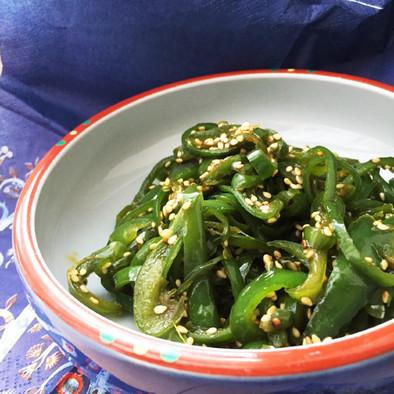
(70, 59)
(65, 60)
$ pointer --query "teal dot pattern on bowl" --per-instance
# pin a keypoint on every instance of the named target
(170, 354)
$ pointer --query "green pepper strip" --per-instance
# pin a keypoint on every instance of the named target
(79, 272)
(127, 231)
(346, 293)
(217, 171)
(150, 291)
(211, 131)
(158, 172)
(313, 285)
(369, 166)
(202, 309)
(263, 165)
(244, 181)
(126, 276)
(352, 254)
(242, 312)
(292, 248)
(222, 335)
(237, 283)
(275, 206)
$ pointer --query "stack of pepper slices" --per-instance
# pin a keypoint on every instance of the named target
(240, 240)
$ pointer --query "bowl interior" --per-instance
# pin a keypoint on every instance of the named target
(100, 170)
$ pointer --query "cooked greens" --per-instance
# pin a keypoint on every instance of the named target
(240, 240)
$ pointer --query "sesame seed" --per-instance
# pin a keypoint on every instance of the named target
(152, 246)
(267, 194)
(375, 160)
(186, 205)
(327, 232)
(317, 218)
(289, 169)
(313, 214)
(384, 264)
(211, 331)
(189, 340)
(240, 138)
(182, 329)
(274, 145)
(84, 289)
(220, 145)
(383, 227)
(249, 201)
(167, 164)
(327, 339)
(340, 185)
(382, 196)
(309, 253)
(385, 297)
(139, 240)
(172, 239)
(171, 217)
(221, 274)
(94, 300)
(82, 271)
(306, 301)
(178, 282)
(160, 309)
(307, 341)
(296, 186)
(253, 198)
(233, 141)
(299, 179)
(277, 137)
(315, 339)
(272, 220)
(368, 259)
(296, 333)
(277, 254)
(278, 265)
(225, 243)
(309, 313)
(201, 128)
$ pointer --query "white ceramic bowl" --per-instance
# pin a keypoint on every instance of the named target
(68, 207)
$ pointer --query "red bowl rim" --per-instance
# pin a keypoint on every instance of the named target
(183, 358)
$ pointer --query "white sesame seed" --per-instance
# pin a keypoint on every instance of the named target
(182, 329)
(383, 227)
(327, 232)
(211, 331)
(382, 196)
(375, 160)
(368, 259)
(189, 340)
(172, 239)
(249, 201)
(385, 297)
(221, 274)
(160, 309)
(94, 300)
(83, 271)
(306, 301)
(315, 339)
(267, 195)
(186, 205)
(84, 289)
(139, 240)
(296, 333)
(272, 220)
(384, 264)
(277, 137)
(289, 169)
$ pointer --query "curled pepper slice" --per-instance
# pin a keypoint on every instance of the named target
(242, 312)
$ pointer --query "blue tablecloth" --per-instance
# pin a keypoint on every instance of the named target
(65, 61)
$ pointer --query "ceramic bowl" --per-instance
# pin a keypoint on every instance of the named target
(68, 206)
